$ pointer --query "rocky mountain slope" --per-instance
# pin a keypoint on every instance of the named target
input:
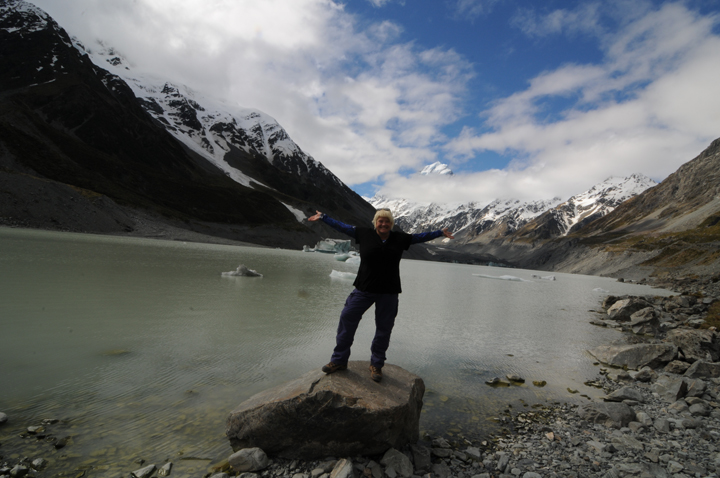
(669, 231)
(75, 129)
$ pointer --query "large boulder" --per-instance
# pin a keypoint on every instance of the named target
(695, 344)
(623, 309)
(635, 356)
(340, 414)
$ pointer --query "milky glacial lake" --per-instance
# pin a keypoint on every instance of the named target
(141, 348)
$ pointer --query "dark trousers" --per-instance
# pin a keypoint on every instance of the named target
(357, 303)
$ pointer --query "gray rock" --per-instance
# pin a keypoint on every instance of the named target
(442, 452)
(503, 461)
(644, 321)
(626, 443)
(646, 374)
(421, 457)
(695, 344)
(699, 410)
(474, 453)
(670, 388)
(677, 366)
(18, 471)
(165, 469)
(440, 442)
(610, 414)
(375, 469)
(144, 472)
(441, 470)
(702, 369)
(635, 356)
(625, 393)
(662, 425)
(249, 459)
(398, 461)
(623, 309)
(341, 414)
(38, 463)
(343, 469)
(644, 418)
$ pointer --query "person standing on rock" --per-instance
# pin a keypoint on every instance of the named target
(377, 282)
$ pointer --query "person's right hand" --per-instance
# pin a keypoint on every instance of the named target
(316, 217)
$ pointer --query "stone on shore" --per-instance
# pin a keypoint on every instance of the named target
(342, 414)
(623, 309)
(635, 356)
(249, 459)
(610, 414)
(702, 369)
(696, 344)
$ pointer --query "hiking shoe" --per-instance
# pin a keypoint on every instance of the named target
(333, 367)
(375, 373)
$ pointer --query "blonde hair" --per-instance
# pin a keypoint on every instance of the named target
(383, 212)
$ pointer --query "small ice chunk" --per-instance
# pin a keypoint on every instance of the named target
(243, 271)
(353, 260)
(308, 249)
(601, 290)
(343, 275)
(506, 277)
(548, 277)
(342, 257)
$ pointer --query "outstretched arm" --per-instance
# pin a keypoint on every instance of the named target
(429, 236)
(335, 224)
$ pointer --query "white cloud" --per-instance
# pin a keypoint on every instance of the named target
(650, 101)
(471, 9)
(356, 100)
(368, 106)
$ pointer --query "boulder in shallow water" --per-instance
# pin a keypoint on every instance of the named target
(342, 414)
(635, 356)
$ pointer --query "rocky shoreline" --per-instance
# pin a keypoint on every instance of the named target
(660, 416)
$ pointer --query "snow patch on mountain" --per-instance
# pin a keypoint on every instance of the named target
(599, 200)
(437, 168)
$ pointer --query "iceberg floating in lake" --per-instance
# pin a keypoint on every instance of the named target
(535, 276)
(343, 275)
(342, 257)
(601, 290)
(308, 249)
(333, 245)
(242, 271)
(354, 260)
(510, 278)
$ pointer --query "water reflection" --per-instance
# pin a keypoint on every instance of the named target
(141, 348)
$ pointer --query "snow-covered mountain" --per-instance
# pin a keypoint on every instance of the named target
(503, 217)
(139, 145)
(599, 200)
(211, 127)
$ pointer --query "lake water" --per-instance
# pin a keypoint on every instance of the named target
(141, 348)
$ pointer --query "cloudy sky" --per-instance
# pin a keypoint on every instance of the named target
(520, 100)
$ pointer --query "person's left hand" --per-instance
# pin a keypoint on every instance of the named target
(316, 217)
(447, 233)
